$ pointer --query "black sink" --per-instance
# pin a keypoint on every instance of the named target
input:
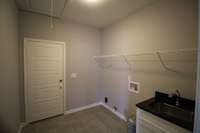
(165, 107)
(173, 111)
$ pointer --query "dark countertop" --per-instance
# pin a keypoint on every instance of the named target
(185, 123)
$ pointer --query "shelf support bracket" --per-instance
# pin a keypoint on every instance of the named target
(127, 62)
(163, 63)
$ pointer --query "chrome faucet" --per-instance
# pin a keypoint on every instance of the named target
(178, 95)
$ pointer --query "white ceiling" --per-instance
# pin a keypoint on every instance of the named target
(97, 13)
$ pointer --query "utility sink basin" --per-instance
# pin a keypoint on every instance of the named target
(172, 111)
(165, 107)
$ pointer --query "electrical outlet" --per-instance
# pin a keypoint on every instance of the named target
(106, 99)
(115, 108)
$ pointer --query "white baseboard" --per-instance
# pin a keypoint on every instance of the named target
(23, 124)
(121, 116)
(94, 105)
(82, 108)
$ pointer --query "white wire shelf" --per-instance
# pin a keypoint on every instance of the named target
(158, 54)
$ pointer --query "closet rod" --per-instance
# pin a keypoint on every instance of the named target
(145, 53)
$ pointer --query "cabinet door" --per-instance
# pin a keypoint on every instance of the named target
(146, 126)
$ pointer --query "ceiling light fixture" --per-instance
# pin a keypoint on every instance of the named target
(92, 1)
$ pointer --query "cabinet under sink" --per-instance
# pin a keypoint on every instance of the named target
(149, 123)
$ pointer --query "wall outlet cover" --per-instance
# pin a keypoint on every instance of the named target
(73, 75)
(134, 87)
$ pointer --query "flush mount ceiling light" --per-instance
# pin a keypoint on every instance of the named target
(92, 1)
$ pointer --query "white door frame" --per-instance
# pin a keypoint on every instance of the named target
(25, 74)
(197, 110)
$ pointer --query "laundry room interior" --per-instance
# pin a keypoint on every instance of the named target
(99, 66)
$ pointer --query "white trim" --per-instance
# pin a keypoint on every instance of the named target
(21, 126)
(82, 108)
(121, 116)
(43, 40)
(25, 82)
(64, 76)
(25, 73)
(197, 110)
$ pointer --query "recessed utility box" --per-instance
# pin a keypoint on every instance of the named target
(134, 87)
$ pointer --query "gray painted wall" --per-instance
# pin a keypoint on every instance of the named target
(82, 42)
(9, 90)
(165, 25)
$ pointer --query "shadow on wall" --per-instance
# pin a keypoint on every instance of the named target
(3, 127)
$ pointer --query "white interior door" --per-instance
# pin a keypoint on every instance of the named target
(44, 79)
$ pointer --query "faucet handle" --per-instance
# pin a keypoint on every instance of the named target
(178, 93)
